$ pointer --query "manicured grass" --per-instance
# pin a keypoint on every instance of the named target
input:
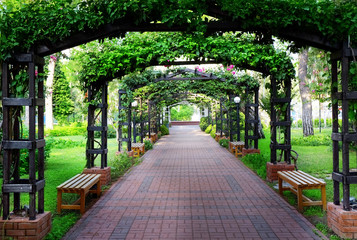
(316, 161)
(61, 166)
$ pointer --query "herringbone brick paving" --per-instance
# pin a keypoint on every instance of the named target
(189, 187)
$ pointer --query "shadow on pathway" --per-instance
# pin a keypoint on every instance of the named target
(189, 187)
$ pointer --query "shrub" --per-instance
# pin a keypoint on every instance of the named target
(213, 131)
(328, 122)
(208, 129)
(313, 140)
(299, 123)
(120, 164)
(61, 131)
(111, 133)
(25, 158)
(257, 162)
(316, 123)
(159, 135)
(164, 130)
(224, 142)
(64, 143)
(203, 123)
(148, 145)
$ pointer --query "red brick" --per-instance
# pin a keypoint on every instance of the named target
(10, 232)
(7, 225)
(28, 238)
(28, 225)
(30, 232)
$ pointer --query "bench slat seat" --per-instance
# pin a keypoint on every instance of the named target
(236, 148)
(300, 181)
(80, 184)
(138, 148)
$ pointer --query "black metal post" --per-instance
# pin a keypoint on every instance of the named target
(335, 147)
(230, 119)
(246, 122)
(141, 122)
(134, 126)
(129, 127)
(238, 122)
(256, 115)
(149, 117)
(221, 116)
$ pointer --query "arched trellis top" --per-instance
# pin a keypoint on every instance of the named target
(190, 80)
(300, 21)
(181, 75)
(112, 59)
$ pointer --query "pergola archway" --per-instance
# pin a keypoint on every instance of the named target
(295, 28)
(179, 75)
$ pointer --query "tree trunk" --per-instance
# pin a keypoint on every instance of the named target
(320, 107)
(305, 94)
(49, 90)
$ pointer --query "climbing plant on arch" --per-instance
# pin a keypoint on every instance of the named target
(51, 26)
(140, 50)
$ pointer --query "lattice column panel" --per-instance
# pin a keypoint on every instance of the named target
(152, 117)
(280, 120)
(97, 122)
(124, 123)
(251, 124)
(343, 94)
(138, 123)
(158, 115)
(12, 139)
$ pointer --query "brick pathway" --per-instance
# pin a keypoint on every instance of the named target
(189, 187)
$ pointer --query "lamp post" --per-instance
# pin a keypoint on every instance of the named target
(237, 101)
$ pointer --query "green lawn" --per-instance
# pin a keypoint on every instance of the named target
(63, 164)
(317, 161)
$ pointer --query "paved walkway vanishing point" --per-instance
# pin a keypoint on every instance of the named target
(189, 187)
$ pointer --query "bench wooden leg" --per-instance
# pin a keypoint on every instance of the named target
(82, 202)
(59, 201)
(280, 185)
(323, 197)
(99, 190)
(300, 200)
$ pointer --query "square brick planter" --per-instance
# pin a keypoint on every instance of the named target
(343, 223)
(250, 151)
(105, 177)
(22, 228)
(272, 170)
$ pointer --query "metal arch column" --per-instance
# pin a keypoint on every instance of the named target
(12, 141)
(276, 121)
(346, 177)
(92, 152)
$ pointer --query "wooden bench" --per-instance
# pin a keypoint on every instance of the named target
(236, 148)
(153, 137)
(218, 136)
(300, 181)
(80, 184)
(138, 148)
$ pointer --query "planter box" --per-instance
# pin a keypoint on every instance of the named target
(23, 228)
(343, 223)
(250, 151)
(105, 177)
(272, 170)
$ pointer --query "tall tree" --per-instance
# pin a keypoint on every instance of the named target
(305, 93)
(63, 104)
(49, 92)
(320, 77)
